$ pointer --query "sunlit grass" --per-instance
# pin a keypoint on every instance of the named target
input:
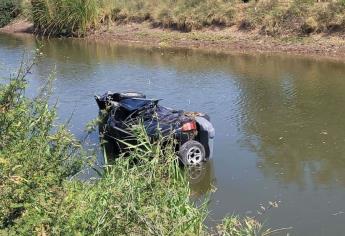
(142, 192)
(66, 17)
(271, 17)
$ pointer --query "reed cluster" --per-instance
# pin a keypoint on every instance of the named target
(268, 17)
(143, 192)
(9, 9)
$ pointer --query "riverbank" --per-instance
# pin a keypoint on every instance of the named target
(18, 26)
(225, 40)
(267, 26)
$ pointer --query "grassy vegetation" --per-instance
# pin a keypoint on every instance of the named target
(9, 9)
(183, 15)
(268, 17)
(299, 17)
(38, 197)
(35, 161)
(65, 17)
(271, 17)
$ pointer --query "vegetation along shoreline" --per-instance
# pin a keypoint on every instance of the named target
(297, 27)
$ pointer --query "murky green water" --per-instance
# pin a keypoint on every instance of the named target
(280, 120)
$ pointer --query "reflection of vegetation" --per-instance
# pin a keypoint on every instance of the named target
(297, 99)
(36, 197)
(90, 53)
(11, 41)
(291, 118)
(201, 179)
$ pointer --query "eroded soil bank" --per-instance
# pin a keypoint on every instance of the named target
(225, 40)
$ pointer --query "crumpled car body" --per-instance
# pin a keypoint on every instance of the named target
(193, 131)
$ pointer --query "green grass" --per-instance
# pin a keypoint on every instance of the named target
(76, 17)
(9, 9)
(67, 17)
(299, 17)
(269, 17)
(142, 193)
(184, 15)
(296, 17)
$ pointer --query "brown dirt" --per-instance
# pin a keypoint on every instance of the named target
(227, 40)
(18, 26)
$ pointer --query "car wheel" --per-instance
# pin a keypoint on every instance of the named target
(192, 153)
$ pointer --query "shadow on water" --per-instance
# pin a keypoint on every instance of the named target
(279, 119)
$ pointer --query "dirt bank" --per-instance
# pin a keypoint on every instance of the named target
(224, 40)
(18, 26)
(227, 40)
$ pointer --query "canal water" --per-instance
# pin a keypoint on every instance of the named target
(280, 120)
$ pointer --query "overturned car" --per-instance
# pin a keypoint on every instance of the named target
(192, 131)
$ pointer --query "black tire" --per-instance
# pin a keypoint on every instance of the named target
(192, 153)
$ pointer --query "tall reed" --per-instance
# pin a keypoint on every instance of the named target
(141, 193)
(65, 17)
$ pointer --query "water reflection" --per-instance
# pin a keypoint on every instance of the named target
(293, 120)
(288, 110)
(279, 119)
(201, 179)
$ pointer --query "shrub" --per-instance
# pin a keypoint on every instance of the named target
(310, 25)
(66, 17)
(183, 15)
(142, 193)
(329, 17)
(233, 226)
(9, 9)
(36, 157)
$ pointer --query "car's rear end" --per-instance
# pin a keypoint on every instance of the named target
(196, 142)
(193, 131)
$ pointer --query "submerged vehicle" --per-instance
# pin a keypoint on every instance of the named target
(193, 131)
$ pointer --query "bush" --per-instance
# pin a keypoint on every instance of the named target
(233, 226)
(66, 17)
(142, 193)
(329, 17)
(8, 10)
(35, 158)
(271, 17)
(298, 17)
(309, 26)
(183, 15)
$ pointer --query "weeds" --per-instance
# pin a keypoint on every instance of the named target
(270, 17)
(66, 17)
(233, 226)
(37, 197)
(9, 9)
(76, 17)
(182, 15)
(34, 159)
(300, 17)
